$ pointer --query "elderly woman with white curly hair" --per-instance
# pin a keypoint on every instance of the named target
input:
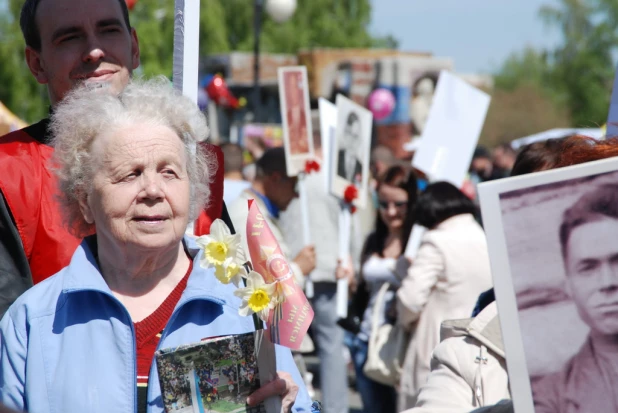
(84, 339)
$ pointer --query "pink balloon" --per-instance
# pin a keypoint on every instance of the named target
(381, 103)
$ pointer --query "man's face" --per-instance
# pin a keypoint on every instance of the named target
(82, 42)
(280, 190)
(351, 136)
(592, 274)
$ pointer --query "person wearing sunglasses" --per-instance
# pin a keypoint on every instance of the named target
(397, 192)
(449, 271)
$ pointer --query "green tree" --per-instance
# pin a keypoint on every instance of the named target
(577, 74)
(583, 65)
(18, 88)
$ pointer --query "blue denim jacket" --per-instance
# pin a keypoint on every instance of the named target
(68, 345)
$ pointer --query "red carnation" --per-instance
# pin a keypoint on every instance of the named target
(350, 194)
(312, 165)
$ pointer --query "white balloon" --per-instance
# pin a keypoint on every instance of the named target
(280, 10)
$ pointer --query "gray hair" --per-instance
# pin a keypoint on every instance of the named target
(85, 114)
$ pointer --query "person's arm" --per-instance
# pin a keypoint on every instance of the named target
(15, 276)
(416, 287)
(13, 352)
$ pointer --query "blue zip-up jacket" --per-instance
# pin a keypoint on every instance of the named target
(67, 345)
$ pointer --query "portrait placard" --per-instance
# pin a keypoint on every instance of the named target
(350, 158)
(296, 118)
(554, 258)
(452, 131)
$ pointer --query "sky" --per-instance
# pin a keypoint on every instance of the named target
(477, 34)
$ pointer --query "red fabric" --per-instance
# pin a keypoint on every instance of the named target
(29, 189)
(148, 331)
(215, 204)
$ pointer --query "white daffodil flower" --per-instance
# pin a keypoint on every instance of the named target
(230, 272)
(257, 296)
(220, 246)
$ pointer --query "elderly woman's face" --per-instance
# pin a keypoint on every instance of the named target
(140, 191)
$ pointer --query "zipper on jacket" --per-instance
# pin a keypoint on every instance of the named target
(132, 327)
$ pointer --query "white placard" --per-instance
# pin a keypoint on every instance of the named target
(304, 217)
(414, 242)
(186, 55)
(328, 127)
(612, 117)
(345, 222)
(186, 47)
(452, 130)
(350, 159)
(295, 117)
(533, 279)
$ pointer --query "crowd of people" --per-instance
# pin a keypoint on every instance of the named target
(176, 390)
(97, 271)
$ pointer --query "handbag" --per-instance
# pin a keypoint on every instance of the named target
(387, 346)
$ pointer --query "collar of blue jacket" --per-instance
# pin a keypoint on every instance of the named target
(68, 345)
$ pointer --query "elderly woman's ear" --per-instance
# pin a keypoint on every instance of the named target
(85, 208)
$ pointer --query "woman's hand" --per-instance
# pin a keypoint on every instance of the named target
(402, 266)
(346, 271)
(283, 386)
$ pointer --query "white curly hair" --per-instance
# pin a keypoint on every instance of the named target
(85, 114)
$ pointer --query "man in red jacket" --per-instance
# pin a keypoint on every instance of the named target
(68, 44)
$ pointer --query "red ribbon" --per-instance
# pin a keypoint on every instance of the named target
(311, 166)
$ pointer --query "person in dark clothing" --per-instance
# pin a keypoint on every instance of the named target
(85, 43)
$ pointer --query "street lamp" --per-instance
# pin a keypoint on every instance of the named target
(280, 11)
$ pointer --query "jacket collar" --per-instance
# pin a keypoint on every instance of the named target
(485, 327)
(40, 131)
(596, 395)
(457, 220)
(83, 274)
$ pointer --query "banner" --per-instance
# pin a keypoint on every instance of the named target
(289, 321)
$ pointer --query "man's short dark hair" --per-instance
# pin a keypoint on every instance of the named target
(272, 161)
(481, 152)
(439, 202)
(352, 117)
(232, 157)
(593, 206)
(30, 30)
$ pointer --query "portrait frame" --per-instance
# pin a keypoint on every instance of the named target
(364, 118)
(294, 104)
(521, 217)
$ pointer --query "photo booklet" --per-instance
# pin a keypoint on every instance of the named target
(217, 375)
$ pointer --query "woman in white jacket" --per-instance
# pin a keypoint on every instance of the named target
(449, 272)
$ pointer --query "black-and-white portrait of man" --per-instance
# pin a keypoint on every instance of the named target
(349, 155)
(349, 166)
(553, 243)
(588, 241)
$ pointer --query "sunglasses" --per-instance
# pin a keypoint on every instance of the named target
(397, 204)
